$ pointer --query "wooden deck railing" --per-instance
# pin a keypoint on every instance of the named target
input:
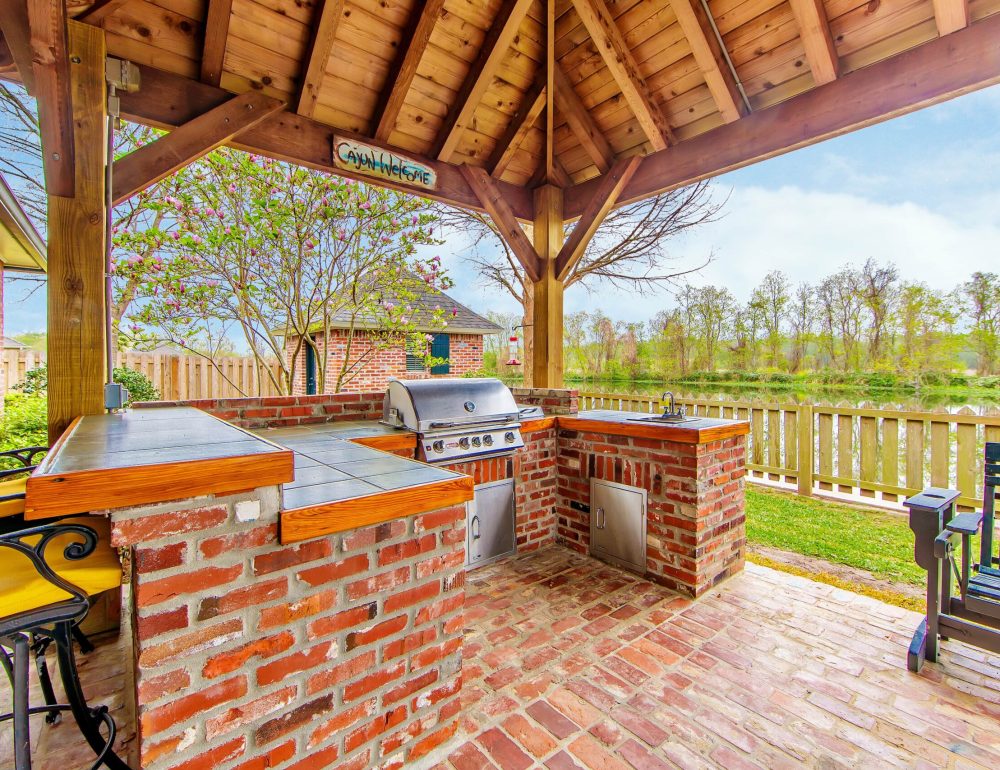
(871, 453)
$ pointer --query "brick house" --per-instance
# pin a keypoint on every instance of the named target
(461, 342)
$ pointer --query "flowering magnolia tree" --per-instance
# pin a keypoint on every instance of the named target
(239, 244)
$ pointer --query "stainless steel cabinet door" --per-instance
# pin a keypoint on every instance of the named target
(618, 524)
(490, 526)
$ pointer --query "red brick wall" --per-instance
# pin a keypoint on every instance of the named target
(282, 411)
(341, 650)
(535, 493)
(695, 530)
(552, 400)
(466, 355)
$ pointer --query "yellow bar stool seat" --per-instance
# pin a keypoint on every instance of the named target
(14, 491)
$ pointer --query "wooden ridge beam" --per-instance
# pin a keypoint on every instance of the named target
(610, 43)
(99, 11)
(603, 200)
(710, 58)
(500, 212)
(520, 124)
(53, 93)
(498, 40)
(951, 15)
(17, 36)
(404, 68)
(167, 100)
(814, 29)
(934, 72)
(580, 122)
(152, 162)
(324, 33)
(213, 54)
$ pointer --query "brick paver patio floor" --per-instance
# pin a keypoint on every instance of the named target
(572, 663)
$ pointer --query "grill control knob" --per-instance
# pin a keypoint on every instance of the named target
(488, 440)
(464, 443)
(509, 437)
(476, 441)
(438, 446)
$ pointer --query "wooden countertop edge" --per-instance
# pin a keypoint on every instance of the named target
(48, 495)
(298, 524)
(388, 442)
(663, 432)
(541, 423)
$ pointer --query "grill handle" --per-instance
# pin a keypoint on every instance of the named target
(493, 421)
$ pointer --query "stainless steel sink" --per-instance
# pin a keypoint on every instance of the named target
(666, 419)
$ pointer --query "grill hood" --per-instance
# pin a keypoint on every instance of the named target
(432, 406)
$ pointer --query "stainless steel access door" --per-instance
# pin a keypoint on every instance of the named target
(618, 524)
(490, 524)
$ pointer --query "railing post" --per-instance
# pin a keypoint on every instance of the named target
(806, 461)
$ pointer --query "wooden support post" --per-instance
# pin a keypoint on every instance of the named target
(76, 246)
(547, 321)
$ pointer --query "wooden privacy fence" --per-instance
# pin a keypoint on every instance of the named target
(175, 376)
(889, 454)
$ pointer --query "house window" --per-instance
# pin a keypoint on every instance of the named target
(414, 357)
(441, 348)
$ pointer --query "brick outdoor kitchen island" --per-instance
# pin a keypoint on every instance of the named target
(272, 629)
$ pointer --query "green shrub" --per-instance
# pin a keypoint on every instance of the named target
(139, 386)
(24, 421)
(35, 381)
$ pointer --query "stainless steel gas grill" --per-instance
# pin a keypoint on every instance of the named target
(455, 419)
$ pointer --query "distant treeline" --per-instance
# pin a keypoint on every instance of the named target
(855, 320)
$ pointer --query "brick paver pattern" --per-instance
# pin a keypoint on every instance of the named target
(570, 663)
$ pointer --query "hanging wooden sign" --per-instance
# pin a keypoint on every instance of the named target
(376, 162)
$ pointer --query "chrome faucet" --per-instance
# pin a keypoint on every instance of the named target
(672, 410)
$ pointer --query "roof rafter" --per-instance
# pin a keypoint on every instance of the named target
(710, 58)
(216, 34)
(498, 40)
(814, 29)
(50, 65)
(404, 68)
(194, 139)
(168, 100)
(610, 43)
(327, 17)
(603, 200)
(934, 72)
(506, 223)
(99, 11)
(580, 122)
(951, 15)
(527, 114)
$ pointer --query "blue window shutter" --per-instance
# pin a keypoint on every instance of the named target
(441, 348)
(310, 371)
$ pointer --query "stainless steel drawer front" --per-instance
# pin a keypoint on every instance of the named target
(618, 524)
(490, 525)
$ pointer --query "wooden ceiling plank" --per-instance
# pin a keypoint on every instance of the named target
(933, 72)
(506, 223)
(167, 100)
(216, 35)
(814, 29)
(50, 66)
(495, 46)
(606, 193)
(324, 33)
(17, 35)
(951, 15)
(524, 119)
(404, 68)
(99, 11)
(710, 57)
(580, 121)
(610, 43)
(154, 161)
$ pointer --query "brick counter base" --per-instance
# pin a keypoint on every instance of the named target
(286, 411)
(695, 521)
(250, 655)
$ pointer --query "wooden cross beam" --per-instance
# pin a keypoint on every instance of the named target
(498, 40)
(152, 162)
(528, 112)
(328, 16)
(216, 33)
(814, 29)
(603, 200)
(404, 68)
(50, 66)
(710, 58)
(610, 43)
(591, 137)
(506, 223)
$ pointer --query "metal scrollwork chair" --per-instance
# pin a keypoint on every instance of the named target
(974, 615)
(48, 575)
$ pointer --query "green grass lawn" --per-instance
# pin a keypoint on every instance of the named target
(868, 539)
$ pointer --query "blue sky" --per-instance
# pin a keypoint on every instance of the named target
(922, 191)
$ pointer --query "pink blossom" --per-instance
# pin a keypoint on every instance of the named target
(366, 205)
(454, 313)
(232, 188)
(176, 235)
